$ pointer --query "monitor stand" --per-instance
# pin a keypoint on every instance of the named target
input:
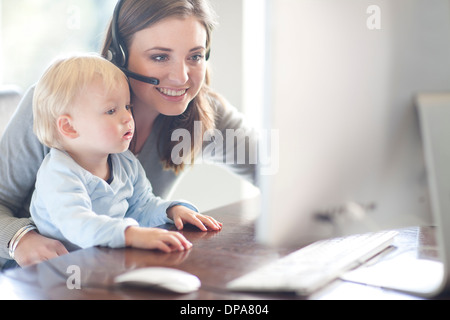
(434, 116)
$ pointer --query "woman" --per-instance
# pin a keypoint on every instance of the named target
(167, 40)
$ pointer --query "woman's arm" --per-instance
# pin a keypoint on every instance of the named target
(20, 157)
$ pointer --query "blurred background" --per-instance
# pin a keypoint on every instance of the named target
(34, 32)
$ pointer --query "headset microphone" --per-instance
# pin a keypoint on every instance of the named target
(140, 77)
(118, 53)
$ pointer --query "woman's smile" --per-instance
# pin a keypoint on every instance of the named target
(172, 94)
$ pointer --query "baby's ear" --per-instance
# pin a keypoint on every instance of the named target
(66, 128)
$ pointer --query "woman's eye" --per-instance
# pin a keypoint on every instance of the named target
(197, 57)
(160, 58)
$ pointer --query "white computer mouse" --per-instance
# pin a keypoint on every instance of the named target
(167, 279)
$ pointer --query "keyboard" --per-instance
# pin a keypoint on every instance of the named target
(306, 270)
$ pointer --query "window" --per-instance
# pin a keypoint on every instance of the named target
(34, 32)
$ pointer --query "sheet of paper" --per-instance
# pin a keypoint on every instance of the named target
(404, 273)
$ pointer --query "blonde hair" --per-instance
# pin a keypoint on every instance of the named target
(59, 87)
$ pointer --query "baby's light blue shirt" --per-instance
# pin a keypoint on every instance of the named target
(74, 206)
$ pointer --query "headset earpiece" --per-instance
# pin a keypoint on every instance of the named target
(117, 52)
(117, 56)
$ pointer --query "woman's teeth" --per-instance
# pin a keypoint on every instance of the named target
(172, 93)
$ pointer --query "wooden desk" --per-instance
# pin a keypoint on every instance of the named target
(216, 258)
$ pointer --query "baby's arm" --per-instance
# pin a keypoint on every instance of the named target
(152, 211)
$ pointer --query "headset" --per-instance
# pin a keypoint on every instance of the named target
(118, 53)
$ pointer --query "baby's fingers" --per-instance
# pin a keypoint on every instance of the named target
(178, 223)
(211, 223)
(161, 245)
(185, 244)
(177, 242)
(196, 221)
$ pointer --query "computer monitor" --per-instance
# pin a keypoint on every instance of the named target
(342, 77)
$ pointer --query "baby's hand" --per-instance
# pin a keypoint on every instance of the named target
(153, 238)
(181, 214)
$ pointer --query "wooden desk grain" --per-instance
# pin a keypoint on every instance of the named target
(216, 258)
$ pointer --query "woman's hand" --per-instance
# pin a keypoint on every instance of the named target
(34, 248)
(181, 214)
